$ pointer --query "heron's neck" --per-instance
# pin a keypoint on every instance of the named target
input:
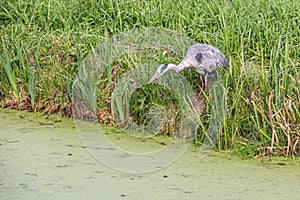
(182, 66)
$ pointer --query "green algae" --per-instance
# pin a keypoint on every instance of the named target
(48, 161)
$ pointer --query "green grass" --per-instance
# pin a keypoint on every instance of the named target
(43, 43)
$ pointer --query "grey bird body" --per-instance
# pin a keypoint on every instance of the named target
(204, 58)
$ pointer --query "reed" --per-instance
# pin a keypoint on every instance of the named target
(42, 41)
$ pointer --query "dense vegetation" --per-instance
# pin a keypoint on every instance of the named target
(42, 43)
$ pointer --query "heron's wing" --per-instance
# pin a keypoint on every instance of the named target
(207, 58)
(213, 60)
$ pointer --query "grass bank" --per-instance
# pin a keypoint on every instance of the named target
(43, 43)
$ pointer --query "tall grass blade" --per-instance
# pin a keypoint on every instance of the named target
(10, 74)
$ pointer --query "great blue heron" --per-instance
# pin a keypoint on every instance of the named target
(204, 58)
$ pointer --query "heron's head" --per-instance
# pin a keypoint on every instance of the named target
(161, 70)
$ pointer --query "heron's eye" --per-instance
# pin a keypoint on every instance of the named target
(163, 67)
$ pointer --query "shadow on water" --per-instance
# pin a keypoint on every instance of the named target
(42, 157)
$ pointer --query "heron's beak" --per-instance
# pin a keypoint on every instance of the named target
(154, 77)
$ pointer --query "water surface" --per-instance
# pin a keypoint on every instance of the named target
(42, 157)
